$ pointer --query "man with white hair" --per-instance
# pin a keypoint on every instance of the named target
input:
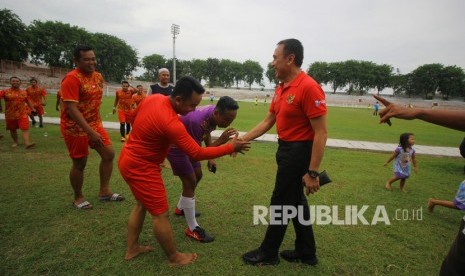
(163, 86)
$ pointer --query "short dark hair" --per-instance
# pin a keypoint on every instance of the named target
(293, 46)
(15, 77)
(80, 48)
(185, 86)
(33, 79)
(123, 82)
(139, 85)
(226, 103)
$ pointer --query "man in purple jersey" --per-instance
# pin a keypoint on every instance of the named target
(199, 124)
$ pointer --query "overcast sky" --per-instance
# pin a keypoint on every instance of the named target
(402, 33)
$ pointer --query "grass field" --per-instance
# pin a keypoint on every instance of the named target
(40, 233)
(343, 123)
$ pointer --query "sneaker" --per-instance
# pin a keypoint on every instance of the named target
(179, 212)
(294, 256)
(123, 139)
(199, 234)
(41, 126)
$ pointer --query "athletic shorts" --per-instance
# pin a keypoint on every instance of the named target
(22, 123)
(40, 109)
(123, 116)
(180, 162)
(145, 183)
(78, 146)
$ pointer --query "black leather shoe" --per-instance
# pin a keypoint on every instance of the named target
(294, 256)
(256, 257)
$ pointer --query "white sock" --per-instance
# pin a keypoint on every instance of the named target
(188, 206)
(179, 203)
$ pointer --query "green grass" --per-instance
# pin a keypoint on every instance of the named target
(343, 123)
(41, 233)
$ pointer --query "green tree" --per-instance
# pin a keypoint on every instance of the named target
(198, 68)
(253, 72)
(13, 37)
(337, 76)
(115, 59)
(425, 80)
(53, 43)
(382, 76)
(212, 71)
(238, 70)
(271, 74)
(320, 71)
(226, 76)
(152, 64)
(451, 82)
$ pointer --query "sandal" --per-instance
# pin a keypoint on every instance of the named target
(113, 197)
(85, 205)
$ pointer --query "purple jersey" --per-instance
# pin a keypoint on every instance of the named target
(198, 123)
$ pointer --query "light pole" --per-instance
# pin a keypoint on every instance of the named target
(174, 31)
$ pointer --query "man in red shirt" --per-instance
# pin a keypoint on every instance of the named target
(138, 96)
(38, 97)
(16, 103)
(123, 100)
(81, 125)
(299, 110)
(156, 126)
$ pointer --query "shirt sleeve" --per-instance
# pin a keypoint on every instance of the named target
(178, 133)
(314, 102)
(70, 89)
(2, 94)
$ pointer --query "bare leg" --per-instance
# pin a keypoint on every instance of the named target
(389, 183)
(402, 184)
(135, 223)
(76, 177)
(106, 168)
(164, 235)
(26, 139)
(14, 136)
(40, 121)
(432, 202)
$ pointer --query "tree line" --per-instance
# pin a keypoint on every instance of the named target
(52, 43)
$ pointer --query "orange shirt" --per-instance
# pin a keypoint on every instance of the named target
(137, 98)
(294, 105)
(124, 100)
(36, 94)
(15, 103)
(155, 127)
(86, 90)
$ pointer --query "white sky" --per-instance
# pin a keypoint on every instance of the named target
(402, 33)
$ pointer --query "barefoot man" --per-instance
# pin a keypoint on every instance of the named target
(156, 126)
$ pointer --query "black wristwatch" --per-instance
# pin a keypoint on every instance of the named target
(313, 174)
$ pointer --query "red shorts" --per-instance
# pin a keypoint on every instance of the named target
(22, 124)
(145, 182)
(40, 109)
(78, 146)
(123, 116)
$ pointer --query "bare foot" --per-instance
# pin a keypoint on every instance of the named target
(14, 145)
(430, 205)
(134, 252)
(388, 186)
(180, 259)
(30, 146)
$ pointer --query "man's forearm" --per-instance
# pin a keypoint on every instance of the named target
(318, 149)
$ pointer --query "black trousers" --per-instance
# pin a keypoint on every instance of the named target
(454, 263)
(293, 159)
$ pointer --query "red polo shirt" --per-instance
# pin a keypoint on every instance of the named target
(294, 105)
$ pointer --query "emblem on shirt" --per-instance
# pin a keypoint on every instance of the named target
(290, 99)
(318, 102)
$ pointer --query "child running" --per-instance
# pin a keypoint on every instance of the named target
(458, 203)
(405, 156)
